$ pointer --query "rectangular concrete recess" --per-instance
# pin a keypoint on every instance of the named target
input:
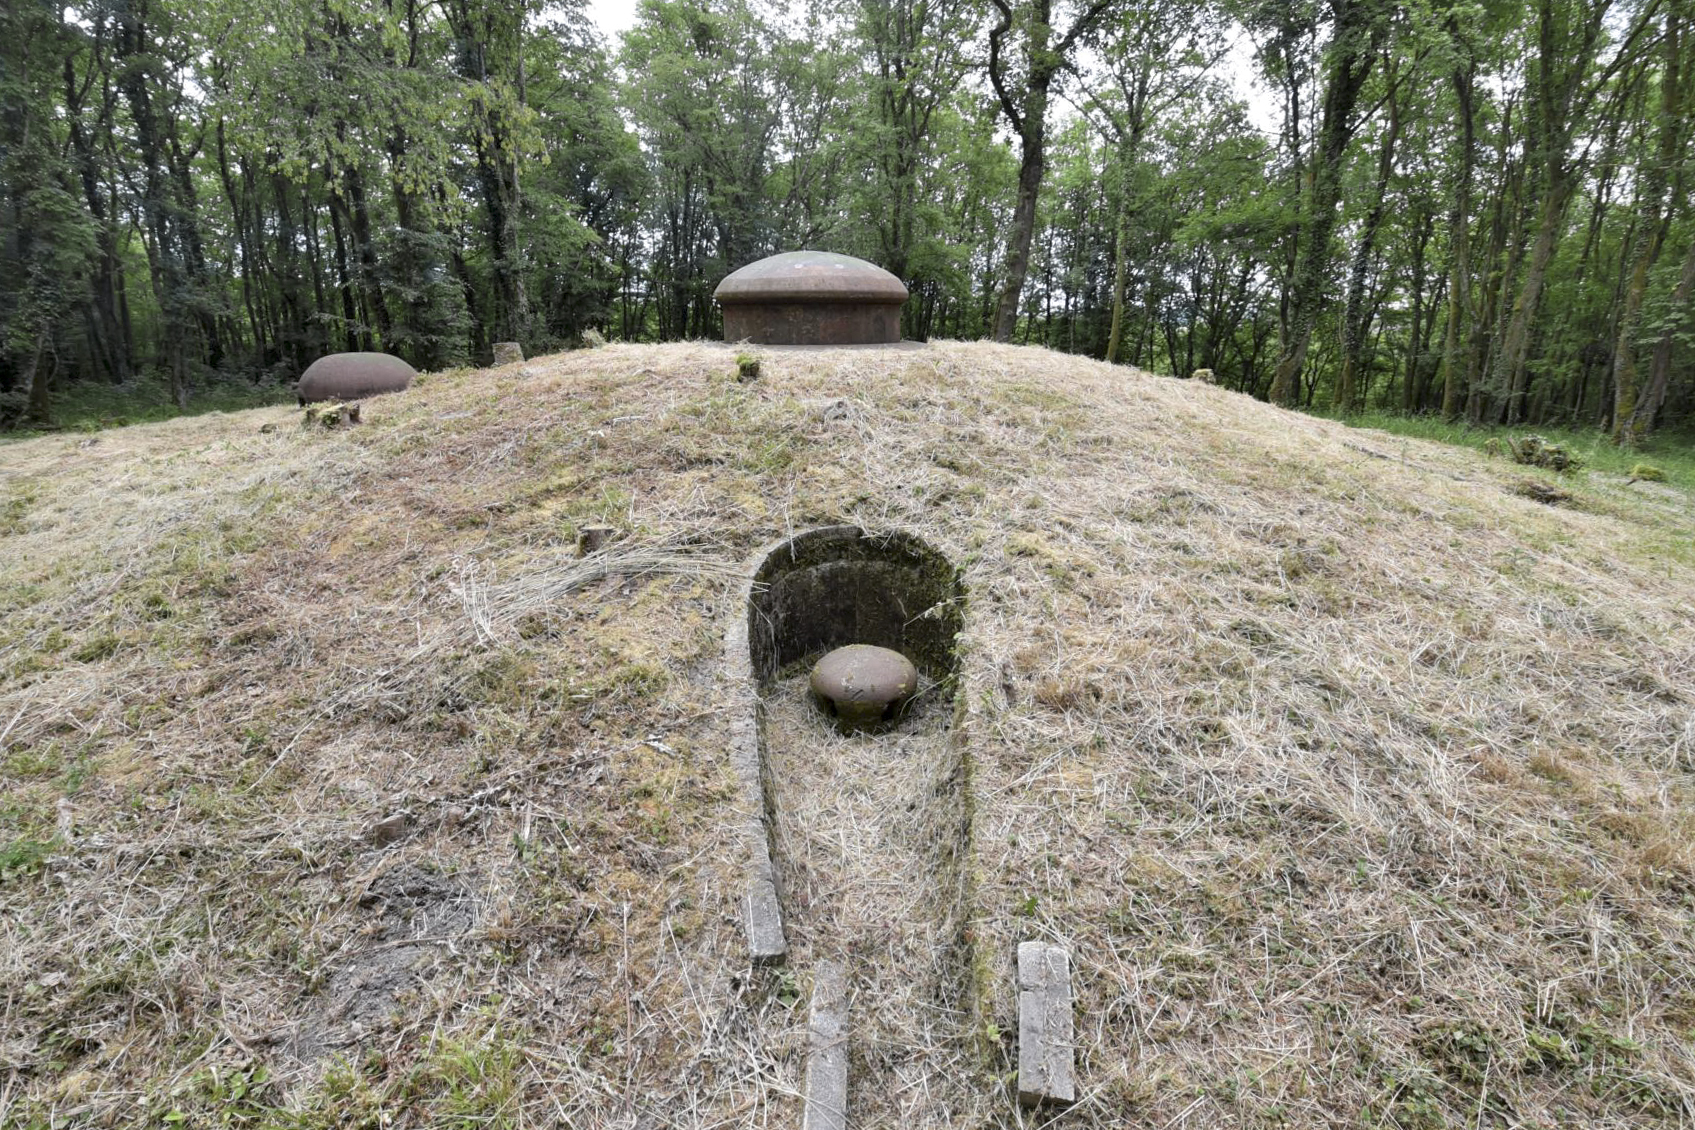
(1045, 1052)
(827, 1058)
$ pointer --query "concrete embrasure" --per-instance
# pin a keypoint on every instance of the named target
(1045, 1051)
(827, 1054)
(816, 591)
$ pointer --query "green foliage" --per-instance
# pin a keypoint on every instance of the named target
(192, 202)
(1535, 451)
(23, 858)
(1672, 453)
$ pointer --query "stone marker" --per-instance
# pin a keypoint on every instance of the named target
(1045, 1053)
(862, 685)
(827, 1057)
(507, 353)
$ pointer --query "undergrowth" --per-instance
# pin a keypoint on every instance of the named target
(90, 406)
(1672, 453)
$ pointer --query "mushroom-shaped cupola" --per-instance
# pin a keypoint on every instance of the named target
(811, 298)
(350, 376)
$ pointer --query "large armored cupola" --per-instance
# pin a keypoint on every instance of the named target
(811, 298)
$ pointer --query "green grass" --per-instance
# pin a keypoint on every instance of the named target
(89, 406)
(1671, 453)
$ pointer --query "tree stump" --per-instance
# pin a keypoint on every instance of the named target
(330, 415)
(592, 538)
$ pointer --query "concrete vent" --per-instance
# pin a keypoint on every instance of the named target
(811, 298)
(351, 376)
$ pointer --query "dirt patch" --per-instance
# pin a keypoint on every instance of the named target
(414, 919)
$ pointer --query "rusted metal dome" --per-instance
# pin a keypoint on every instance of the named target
(349, 376)
(811, 298)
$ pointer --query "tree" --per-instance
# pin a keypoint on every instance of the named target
(916, 61)
(1359, 28)
(1023, 94)
(48, 242)
(1633, 415)
(1563, 85)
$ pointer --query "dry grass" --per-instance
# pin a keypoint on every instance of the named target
(864, 835)
(1358, 786)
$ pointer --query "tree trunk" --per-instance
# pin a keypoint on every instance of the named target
(1355, 50)
(133, 49)
(1354, 315)
(1630, 423)
(1461, 317)
(1029, 119)
(1659, 367)
(37, 378)
(1120, 272)
(1032, 164)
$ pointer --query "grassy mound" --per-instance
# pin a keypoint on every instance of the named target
(338, 790)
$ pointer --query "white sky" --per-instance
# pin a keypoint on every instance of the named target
(613, 16)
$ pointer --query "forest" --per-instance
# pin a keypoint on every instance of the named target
(1467, 208)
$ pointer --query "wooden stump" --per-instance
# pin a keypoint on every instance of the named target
(592, 538)
(331, 415)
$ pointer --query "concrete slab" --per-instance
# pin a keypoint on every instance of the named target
(1046, 1056)
(827, 1057)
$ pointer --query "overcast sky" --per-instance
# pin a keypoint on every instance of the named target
(613, 16)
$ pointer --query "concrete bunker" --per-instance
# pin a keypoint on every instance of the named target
(807, 595)
(858, 838)
(350, 376)
(811, 298)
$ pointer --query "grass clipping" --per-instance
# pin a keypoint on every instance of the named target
(337, 788)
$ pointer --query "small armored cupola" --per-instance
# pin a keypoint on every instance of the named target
(862, 685)
(811, 298)
(349, 376)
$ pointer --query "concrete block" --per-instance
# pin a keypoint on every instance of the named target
(1046, 1056)
(827, 1057)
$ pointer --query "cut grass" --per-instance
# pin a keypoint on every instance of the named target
(1357, 786)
